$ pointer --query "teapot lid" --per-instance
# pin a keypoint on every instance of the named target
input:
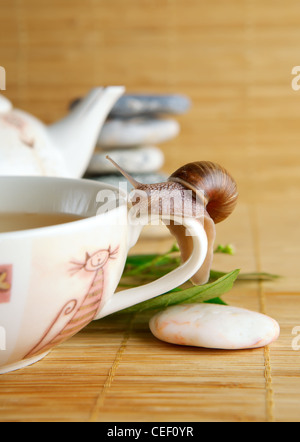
(5, 105)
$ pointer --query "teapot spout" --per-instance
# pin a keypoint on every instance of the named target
(76, 135)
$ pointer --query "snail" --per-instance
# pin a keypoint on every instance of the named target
(203, 190)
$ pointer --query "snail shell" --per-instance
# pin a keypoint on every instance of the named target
(213, 184)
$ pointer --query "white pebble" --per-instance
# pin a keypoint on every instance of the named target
(139, 160)
(214, 326)
(118, 133)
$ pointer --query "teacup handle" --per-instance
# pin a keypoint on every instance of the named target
(130, 297)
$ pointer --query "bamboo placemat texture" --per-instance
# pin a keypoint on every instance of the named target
(234, 59)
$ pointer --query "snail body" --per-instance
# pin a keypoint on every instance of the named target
(203, 190)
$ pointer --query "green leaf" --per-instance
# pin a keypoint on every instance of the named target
(139, 264)
(201, 293)
(141, 269)
(214, 275)
(216, 301)
(258, 277)
(228, 249)
(138, 260)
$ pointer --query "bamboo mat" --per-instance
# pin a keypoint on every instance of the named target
(234, 59)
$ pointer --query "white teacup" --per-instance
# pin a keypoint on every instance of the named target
(55, 280)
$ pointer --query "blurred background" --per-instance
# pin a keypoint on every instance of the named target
(232, 58)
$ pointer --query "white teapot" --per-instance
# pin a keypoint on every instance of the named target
(28, 147)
